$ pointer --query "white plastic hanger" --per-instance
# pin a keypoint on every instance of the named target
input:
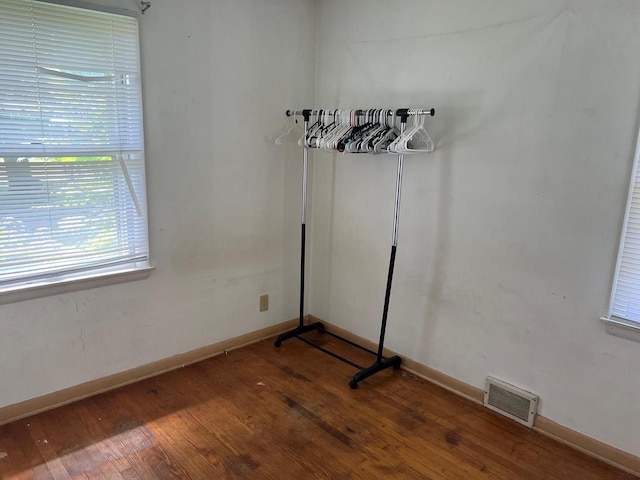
(381, 145)
(414, 141)
(312, 133)
(338, 134)
(293, 134)
(419, 141)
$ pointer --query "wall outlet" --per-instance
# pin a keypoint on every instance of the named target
(264, 303)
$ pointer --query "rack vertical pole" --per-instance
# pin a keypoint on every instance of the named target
(381, 362)
(302, 328)
(394, 246)
(303, 223)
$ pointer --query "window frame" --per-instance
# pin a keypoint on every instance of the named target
(64, 282)
(618, 326)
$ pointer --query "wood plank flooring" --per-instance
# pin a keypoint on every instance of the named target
(260, 412)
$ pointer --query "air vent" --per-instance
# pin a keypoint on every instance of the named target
(510, 401)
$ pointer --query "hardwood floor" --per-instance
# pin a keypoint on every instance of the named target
(260, 412)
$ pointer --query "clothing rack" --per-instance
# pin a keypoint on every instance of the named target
(399, 112)
(381, 362)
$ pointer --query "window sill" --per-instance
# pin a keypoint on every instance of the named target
(72, 283)
(619, 327)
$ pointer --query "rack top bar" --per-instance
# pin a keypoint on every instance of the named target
(399, 112)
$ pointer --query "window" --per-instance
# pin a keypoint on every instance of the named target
(72, 179)
(624, 311)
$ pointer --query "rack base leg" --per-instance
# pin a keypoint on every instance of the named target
(298, 331)
(378, 366)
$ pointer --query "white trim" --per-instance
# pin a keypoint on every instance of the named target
(96, 7)
(81, 281)
(619, 327)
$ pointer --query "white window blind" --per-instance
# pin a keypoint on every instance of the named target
(72, 181)
(625, 298)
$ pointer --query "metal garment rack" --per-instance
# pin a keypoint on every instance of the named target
(381, 362)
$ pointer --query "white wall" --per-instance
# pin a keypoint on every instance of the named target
(509, 231)
(217, 77)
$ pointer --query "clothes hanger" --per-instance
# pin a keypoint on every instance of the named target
(382, 127)
(382, 143)
(419, 141)
(328, 130)
(359, 124)
(350, 144)
(394, 147)
(366, 123)
(293, 134)
(415, 140)
(369, 128)
(336, 128)
(312, 132)
(339, 141)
